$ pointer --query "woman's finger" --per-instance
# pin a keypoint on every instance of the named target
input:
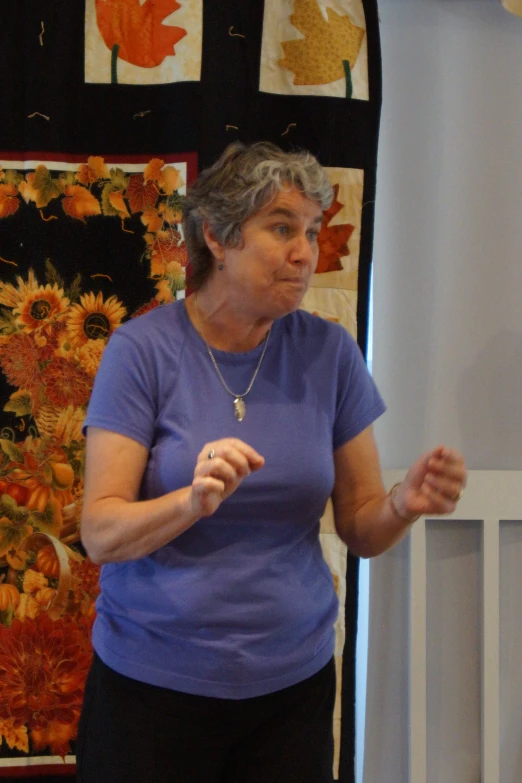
(218, 468)
(449, 463)
(207, 495)
(240, 454)
(447, 487)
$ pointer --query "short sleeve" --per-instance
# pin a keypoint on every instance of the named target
(359, 403)
(124, 395)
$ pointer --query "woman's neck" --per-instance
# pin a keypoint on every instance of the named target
(222, 325)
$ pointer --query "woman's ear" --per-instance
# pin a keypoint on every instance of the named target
(213, 244)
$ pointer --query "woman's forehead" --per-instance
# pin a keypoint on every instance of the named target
(293, 204)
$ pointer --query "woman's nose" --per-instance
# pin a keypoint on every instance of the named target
(303, 251)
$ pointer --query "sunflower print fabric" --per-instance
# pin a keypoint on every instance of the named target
(54, 325)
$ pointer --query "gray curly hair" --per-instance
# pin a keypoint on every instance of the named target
(240, 183)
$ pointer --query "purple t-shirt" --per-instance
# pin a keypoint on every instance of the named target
(242, 603)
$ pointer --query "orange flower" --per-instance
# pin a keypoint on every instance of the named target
(66, 384)
(137, 29)
(43, 667)
(147, 307)
(89, 356)
(87, 579)
(19, 359)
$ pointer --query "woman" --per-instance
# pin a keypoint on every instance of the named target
(218, 427)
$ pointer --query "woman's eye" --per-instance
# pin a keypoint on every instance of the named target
(282, 230)
(312, 235)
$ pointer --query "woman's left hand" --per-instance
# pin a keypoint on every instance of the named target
(433, 485)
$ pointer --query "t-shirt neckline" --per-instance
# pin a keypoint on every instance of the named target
(229, 357)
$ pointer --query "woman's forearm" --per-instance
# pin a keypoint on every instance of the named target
(114, 530)
(373, 529)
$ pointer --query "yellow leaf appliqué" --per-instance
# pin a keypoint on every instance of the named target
(318, 57)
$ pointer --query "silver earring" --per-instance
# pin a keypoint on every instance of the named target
(221, 266)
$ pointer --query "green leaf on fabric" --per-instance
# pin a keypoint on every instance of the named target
(119, 179)
(106, 205)
(46, 187)
(7, 321)
(12, 177)
(51, 274)
(73, 293)
(12, 451)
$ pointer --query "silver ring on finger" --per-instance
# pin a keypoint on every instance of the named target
(211, 454)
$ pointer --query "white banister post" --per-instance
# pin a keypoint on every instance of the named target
(417, 652)
(490, 651)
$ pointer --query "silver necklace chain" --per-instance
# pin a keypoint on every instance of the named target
(239, 404)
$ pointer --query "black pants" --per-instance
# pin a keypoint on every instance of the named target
(131, 732)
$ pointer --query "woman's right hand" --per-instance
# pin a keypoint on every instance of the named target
(221, 467)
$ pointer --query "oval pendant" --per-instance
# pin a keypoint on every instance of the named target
(239, 408)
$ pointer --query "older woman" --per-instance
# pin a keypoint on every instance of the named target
(217, 430)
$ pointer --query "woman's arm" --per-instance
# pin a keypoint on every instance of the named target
(366, 519)
(116, 526)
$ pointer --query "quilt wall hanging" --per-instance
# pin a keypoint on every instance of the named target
(108, 110)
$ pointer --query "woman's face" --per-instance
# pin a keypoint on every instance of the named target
(269, 273)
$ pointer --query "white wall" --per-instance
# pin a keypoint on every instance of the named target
(448, 239)
(447, 350)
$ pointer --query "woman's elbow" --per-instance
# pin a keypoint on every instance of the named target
(93, 552)
(93, 539)
(360, 546)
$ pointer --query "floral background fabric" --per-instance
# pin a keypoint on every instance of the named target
(118, 105)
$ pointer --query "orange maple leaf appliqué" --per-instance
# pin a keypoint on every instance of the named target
(138, 30)
(333, 240)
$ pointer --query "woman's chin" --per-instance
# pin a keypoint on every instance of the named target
(290, 305)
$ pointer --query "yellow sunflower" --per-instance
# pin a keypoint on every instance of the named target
(39, 310)
(94, 319)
